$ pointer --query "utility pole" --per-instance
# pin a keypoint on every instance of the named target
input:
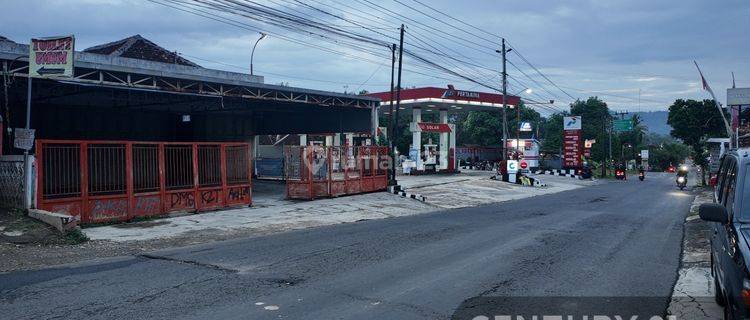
(505, 104)
(398, 90)
(392, 128)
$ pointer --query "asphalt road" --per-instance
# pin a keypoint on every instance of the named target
(614, 239)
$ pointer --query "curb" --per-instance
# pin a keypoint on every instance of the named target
(558, 172)
(397, 190)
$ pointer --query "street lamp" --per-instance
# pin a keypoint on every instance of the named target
(262, 36)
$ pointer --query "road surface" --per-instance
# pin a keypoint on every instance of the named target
(613, 239)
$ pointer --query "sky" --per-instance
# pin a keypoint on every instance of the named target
(614, 49)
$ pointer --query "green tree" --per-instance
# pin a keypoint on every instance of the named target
(693, 122)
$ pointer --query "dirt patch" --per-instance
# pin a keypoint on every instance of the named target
(18, 228)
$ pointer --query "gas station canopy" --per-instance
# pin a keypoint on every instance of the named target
(432, 99)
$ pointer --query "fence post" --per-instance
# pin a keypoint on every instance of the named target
(39, 173)
(223, 171)
(196, 181)
(84, 152)
(129, 179)
(162, 179)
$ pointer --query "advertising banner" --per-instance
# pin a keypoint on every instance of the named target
(51, 57)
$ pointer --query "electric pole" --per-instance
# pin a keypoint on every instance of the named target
(392, 151)
(505, 105)
(398, 91)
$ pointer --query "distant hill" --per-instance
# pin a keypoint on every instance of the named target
(656, 121)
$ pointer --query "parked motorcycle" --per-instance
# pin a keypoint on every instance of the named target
(641, 175)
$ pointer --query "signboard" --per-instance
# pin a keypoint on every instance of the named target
(589, 143)
(512, 166)
(738, 96)
(525, 127)
(622, 125)
(572, 144)
(431, 127)
(524, 165)
(51, 56)
(644, 154)
(572, 123)
(24, 138)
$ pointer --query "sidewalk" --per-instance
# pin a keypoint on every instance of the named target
(693, 294)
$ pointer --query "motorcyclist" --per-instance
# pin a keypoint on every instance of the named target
(682, 172)
(641, 172)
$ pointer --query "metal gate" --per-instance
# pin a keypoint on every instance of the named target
(103, 181)
(316, 171)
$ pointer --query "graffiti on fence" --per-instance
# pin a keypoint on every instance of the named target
(108, 208)
(147, 205)
(210, 197)
(238, 194)
(181, 200)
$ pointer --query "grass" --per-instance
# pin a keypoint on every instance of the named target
(76, 236)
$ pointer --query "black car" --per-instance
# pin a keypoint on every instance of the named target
(730, 248)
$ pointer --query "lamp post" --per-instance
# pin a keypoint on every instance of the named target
(262, 36)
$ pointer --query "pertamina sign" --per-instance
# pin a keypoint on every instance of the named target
(572, 142)
(52, 57)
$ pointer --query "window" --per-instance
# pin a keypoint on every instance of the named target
(720, 178)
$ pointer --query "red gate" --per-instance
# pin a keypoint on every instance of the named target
(103, 181)
(316, 171)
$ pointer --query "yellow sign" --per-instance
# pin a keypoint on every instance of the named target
(52, 57)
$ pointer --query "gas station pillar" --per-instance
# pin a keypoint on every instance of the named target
(444, 148)
(416, 138)
(303, 139)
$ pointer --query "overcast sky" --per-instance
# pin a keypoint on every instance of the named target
(610, 48)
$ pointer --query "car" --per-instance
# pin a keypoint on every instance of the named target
(730, 245)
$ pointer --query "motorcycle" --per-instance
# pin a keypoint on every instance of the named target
(620, 174)
(681, 182)
(641, 175)
(682, 173)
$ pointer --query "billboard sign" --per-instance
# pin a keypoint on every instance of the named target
(525, 127)
(644, 154)
(623, 125)
(572, 123)
(738, 96)
(52, 57)
(572, 142)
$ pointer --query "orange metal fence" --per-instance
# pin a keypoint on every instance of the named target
(102, 181)
(316, 171)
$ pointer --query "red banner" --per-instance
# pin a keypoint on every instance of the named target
(433, 127)
(572, 148)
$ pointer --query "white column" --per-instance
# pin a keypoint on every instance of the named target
(329, 141)
(337, 140)
(303, 139)
(349, 139)
(444, 141)
(375, 124)
(452, 145)
(416, 137)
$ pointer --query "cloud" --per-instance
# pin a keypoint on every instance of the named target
(595, 46)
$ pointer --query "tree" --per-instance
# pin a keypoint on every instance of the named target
(595, 118)
(693, 122)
